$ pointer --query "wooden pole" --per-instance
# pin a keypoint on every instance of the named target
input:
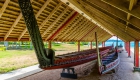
(78, 45)
(136, 53)
(103, 44)
(97, 50)
(91, 45)
(117, 42)
(49, 44)
(129, 53)
(136, 56)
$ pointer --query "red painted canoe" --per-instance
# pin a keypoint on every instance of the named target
(77, 58)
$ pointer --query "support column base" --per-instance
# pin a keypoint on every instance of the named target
(129, 56)
(136, 69)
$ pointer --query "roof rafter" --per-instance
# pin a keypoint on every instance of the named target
(112, 21)
(113, 11)
(4, 7)
(116, 4)
(132, 3)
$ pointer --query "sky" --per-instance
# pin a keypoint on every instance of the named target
(114, 38)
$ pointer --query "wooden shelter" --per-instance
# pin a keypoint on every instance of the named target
(73, 20)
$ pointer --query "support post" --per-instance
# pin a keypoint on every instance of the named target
(103, 44)
(49, 44)
(136, 64)
(78, 46)
(91, 45)
(129, 52)
(127, 48)
(117, 43)
(97, 50)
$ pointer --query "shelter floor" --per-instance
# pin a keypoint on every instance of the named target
(124, 71)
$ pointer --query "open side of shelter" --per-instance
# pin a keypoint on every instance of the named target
(69, 20)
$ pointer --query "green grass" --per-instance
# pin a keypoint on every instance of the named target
(15, 59)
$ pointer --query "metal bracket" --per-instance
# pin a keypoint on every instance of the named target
(70, 73)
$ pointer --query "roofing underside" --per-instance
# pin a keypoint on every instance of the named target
(73, 20)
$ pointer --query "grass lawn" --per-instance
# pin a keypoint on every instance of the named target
(15, 59)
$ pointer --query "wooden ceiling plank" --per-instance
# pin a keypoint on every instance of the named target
(70, 28)
(44, 22)
(54, 30)
(74, 31)
(13, 25)
(85, 32)
(135, 12)
(37, 15)
(82, 29)
(63, 26)
(50, 26)
(4, 7)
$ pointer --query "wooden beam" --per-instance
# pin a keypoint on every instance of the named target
(112, 21)
(4, 7)
(37, 15)
(113, 11)
(64, 25)
(132, 3)
(118, 4)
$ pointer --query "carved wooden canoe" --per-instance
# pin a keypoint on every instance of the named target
(76, 58)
